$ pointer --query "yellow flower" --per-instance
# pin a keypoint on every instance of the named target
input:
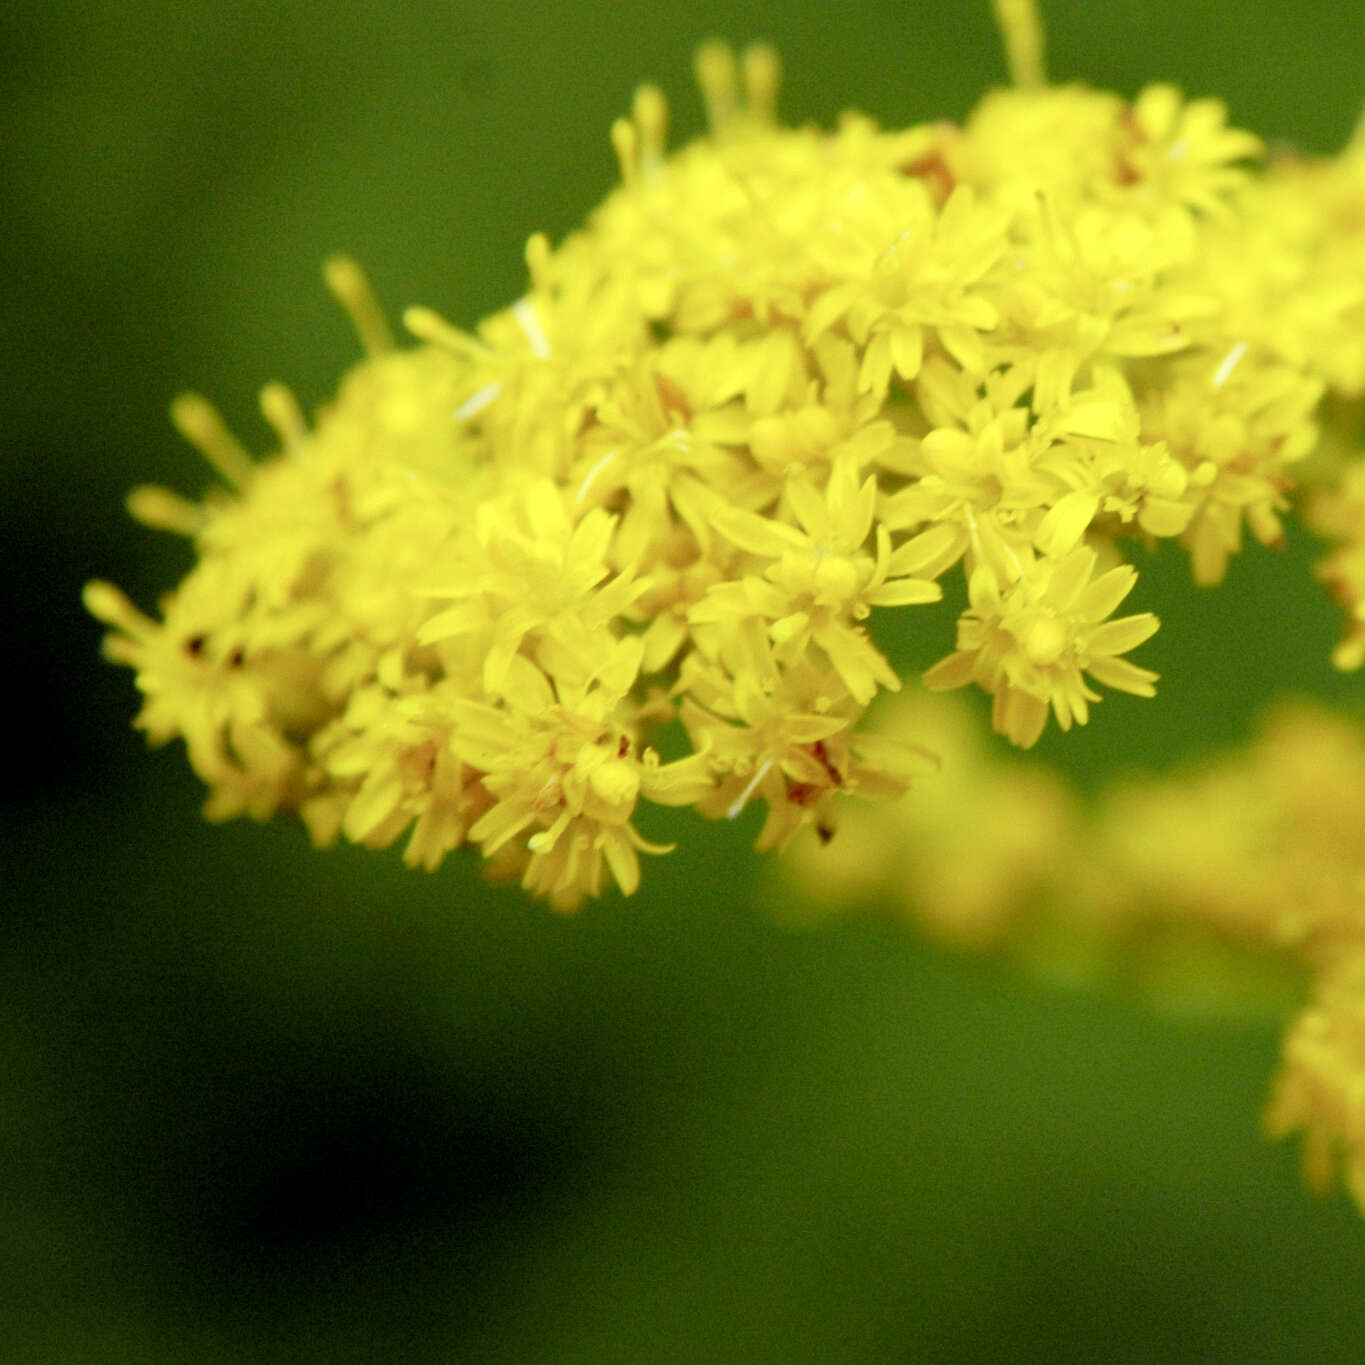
(1030, 639)
(236, 708)
(530, 578)
(1184, 153)
(819, 580)
(565, 765)
(913, 272)
(792, 745)
(1237, 425)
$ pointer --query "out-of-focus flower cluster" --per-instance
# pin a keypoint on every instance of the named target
(781, 380)
(1200, 887)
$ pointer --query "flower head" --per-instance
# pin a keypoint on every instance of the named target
(1031, 639)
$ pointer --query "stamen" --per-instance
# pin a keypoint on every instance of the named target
(1022, 30)
(625, 142)
(762, 77)
(972, 531)
(350, 287)
(106, 603)
(714, 66)
(743, 799)
(200, 423)
(477, 402)
(281, 409)
(538, 259)
(429, 326)
(525, 313)
(1229, 363)
(650, 114)
(593, 473)
(978, 544)
(546, 839)
(164, 510)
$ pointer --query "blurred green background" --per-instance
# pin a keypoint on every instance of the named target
(261, 1104)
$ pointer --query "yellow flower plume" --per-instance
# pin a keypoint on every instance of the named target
(726, 446)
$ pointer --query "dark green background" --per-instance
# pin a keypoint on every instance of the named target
(260, 1104)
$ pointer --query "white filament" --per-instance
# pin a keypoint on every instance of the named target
(743, 799)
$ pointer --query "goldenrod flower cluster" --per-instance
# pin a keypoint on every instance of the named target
(781, 380)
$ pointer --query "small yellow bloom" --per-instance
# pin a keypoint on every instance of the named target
(1031, 639)
(820, 581)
